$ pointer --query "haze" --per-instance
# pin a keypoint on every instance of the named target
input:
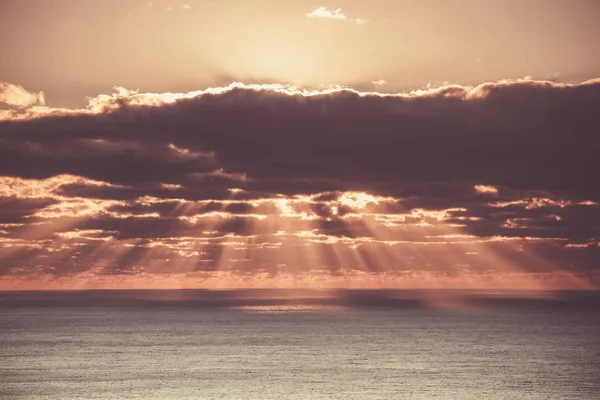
(74, 49)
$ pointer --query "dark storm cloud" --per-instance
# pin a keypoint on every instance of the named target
(252, 168)
(525, 135)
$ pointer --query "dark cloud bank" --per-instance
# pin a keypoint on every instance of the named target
(150, 169)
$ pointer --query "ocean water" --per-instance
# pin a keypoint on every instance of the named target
(76, 348)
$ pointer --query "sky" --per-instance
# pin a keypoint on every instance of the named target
(258, 144)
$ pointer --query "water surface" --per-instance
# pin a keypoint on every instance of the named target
(52, 350)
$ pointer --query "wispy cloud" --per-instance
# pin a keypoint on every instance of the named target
(324, 12)
(170, 8)
(186, 7)
(379, 82)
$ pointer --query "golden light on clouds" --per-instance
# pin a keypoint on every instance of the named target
(485, 189)
(281, 243)
(384, 167)
(126, 97)
(298, 183)
(17, 96)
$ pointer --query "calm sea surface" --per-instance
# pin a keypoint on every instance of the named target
(55, 351)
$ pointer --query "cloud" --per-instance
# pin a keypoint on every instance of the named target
(485, 189)
(456, 183)
(186, 7)
(169, 9)
(379, 82)
(324, 12)
(16, 96)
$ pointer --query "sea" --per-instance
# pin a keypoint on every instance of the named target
(299, 345)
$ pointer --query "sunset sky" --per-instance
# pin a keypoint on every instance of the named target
(342, 144)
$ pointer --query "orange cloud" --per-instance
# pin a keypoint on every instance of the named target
(122, 97)
(16, 96)
(486, 189)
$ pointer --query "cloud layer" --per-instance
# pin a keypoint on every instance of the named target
(486, 186)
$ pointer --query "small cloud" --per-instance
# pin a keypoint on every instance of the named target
(485, 189)
(186, 7)
(379, 82)
(150, 4)
(170, 186)
(16, 96)
(170, 8)
(324, 12)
